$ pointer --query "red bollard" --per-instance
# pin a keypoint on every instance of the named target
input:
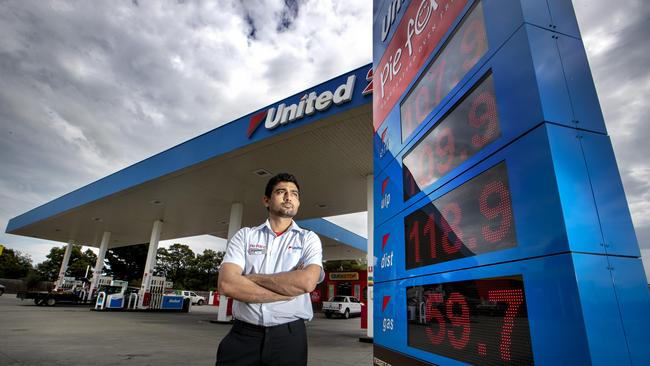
(229, 307)
(146, 299)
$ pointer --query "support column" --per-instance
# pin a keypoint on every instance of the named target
(371, 255)
(64, 264)
(236, 214)
(234, 224)
(99, 264)
(150, 264)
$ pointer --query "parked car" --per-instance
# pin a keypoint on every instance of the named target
(343, 306)
(2, 289)
(196, 299)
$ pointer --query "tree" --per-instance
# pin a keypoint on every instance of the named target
(208, 265)
(174, 263)
(77, 265)
(346, 265)
(187, 270)
(127, 263)
(14, 264)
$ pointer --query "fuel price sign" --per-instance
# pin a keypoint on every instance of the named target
(460, 54)
(470, 125)
(480, 321)
(496, 194)
(474, 218)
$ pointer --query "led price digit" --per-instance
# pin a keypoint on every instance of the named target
(481, 321)
(472, 219)
(469, 127)
(463, 50)
(460, 319)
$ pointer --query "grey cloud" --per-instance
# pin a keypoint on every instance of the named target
(643, 232)
(617, 47)
(287, 15)
(91, 87)
(282, 68)
(251, 24)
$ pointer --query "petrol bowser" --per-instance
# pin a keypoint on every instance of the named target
(156, 290)
(111, 296)
(502, 232)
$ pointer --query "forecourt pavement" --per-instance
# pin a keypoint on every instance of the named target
(74, 335)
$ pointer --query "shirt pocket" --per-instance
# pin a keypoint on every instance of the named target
(291, 259)
(255, 261)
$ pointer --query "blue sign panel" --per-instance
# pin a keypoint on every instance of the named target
(116, 303)
(523, 312)
(502, 233)
(530, 66)
(498, 104)
(491, 213)
(172, 302)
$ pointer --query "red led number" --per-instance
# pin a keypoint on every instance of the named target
(414, 237)
(514, 298)
(502, 209)
(432, 313)
(437, 235)
(428, 161)
(480, 322)
(445, 150)
(452, 226)
(470, 126)
(461, 321)
(458, 56)
(483, 115)
(474, 43)
(457, 312)
(430, 231)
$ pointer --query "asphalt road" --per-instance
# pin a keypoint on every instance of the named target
(74, 335)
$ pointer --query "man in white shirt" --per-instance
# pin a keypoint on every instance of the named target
(269, 271)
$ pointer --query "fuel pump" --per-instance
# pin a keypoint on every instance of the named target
(111, 296)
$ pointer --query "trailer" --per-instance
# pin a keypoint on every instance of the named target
(51, 298)
(70, 291)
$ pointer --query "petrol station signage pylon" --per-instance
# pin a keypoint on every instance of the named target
(502, 232)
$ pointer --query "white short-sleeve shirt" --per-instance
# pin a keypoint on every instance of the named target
(258, 250)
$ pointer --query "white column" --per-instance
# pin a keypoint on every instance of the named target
(64, 264)
(234, 224)
(371, 255)
(236, 214)
(150, 264)
(99, 264)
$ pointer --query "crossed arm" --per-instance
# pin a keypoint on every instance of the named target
(260, 288)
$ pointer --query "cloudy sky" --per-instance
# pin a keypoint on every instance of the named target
(90, 87)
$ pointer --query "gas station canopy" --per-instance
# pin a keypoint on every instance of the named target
(322, 135)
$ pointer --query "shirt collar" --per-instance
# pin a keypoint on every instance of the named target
(293, 226)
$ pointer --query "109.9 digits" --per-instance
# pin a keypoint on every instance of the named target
(469, 127)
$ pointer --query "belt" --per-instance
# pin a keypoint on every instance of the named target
(290, 326)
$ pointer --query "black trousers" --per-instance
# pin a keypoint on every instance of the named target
(253, 345)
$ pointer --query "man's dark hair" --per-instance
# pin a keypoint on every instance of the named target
(281, 177)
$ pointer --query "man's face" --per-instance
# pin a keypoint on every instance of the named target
(284, 200)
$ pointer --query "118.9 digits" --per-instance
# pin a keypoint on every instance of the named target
(472, 219)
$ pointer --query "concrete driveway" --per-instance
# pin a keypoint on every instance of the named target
(74, 335)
